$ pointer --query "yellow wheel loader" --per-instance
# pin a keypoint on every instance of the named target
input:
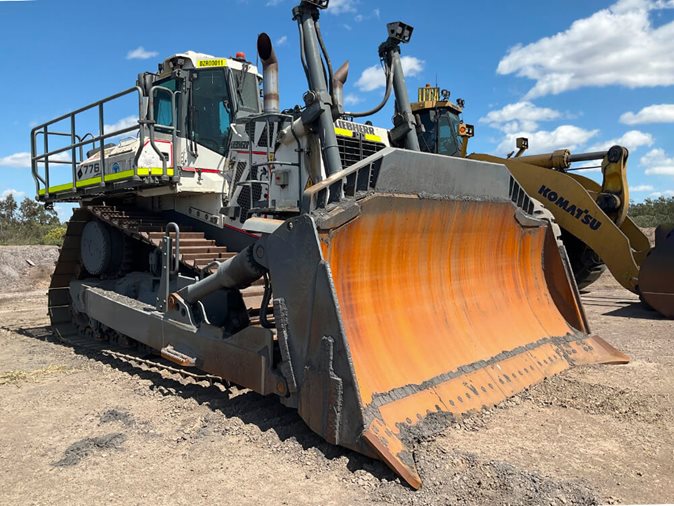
(377, 290)
(596, 228)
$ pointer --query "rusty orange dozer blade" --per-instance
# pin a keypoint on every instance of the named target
(446, 309)
(417, 288)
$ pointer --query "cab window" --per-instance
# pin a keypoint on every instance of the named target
(448, 137)
(211, 110)
(163, 109)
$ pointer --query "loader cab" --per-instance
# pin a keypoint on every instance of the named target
(440, 125)
(440, 132)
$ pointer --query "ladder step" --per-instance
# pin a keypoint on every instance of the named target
(183, 235)
(203, 248)
(170, 353)
(204, 260)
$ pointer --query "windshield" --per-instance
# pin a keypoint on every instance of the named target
(211, 109)
(448, 134)
(246, 88)
(440, 132)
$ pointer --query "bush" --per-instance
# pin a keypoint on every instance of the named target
(28, 223)
(651, 213)
(54, 236)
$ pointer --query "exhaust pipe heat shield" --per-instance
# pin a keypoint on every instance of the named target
(423, 298)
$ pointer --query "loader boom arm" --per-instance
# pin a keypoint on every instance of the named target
(573, 201)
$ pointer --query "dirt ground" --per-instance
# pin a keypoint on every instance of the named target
(78, 426)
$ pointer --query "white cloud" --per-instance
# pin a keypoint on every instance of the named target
(274, 3)
(342, 6)
(519, 116)
(121, 124)
(642, 188)
(521, 119)
(373, 77)
(658, 163)
(281, 40)
(664, 193)
(140, 53)
(542, 141)
(632, 140)
(657, 113)
(18, 195)
(614, 46)
(64, 211)
(19, 160)
(352, 99)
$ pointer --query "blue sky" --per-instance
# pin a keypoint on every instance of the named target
(575, 74)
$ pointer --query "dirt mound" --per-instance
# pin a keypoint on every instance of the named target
(26, 268)
(464, 478)
(620, 403)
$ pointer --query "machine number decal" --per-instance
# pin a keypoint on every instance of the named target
(88, 170)
(218, 62)
(582, 215)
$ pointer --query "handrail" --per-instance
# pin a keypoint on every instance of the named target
(151, 122)
(346, 183)
(176, 255)
(170, 264)
(86, 107)
(78, 141)
(269, 118)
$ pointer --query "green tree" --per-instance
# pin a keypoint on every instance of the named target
(28, 223)
(8, 207)
(653, 212)
(33, 213)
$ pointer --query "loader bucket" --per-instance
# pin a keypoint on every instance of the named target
(656, 273)
(441, 303)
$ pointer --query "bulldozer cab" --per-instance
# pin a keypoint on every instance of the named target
(182, 123)
(210, 95)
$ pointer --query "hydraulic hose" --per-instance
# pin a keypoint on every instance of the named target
(387, 95)
(324, 50)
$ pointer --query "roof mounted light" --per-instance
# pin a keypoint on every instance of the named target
(400, 31)
(321, 4)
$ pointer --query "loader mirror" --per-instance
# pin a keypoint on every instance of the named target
(522, 143)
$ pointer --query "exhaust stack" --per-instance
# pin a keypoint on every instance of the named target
(270, 73)
(338, 81)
